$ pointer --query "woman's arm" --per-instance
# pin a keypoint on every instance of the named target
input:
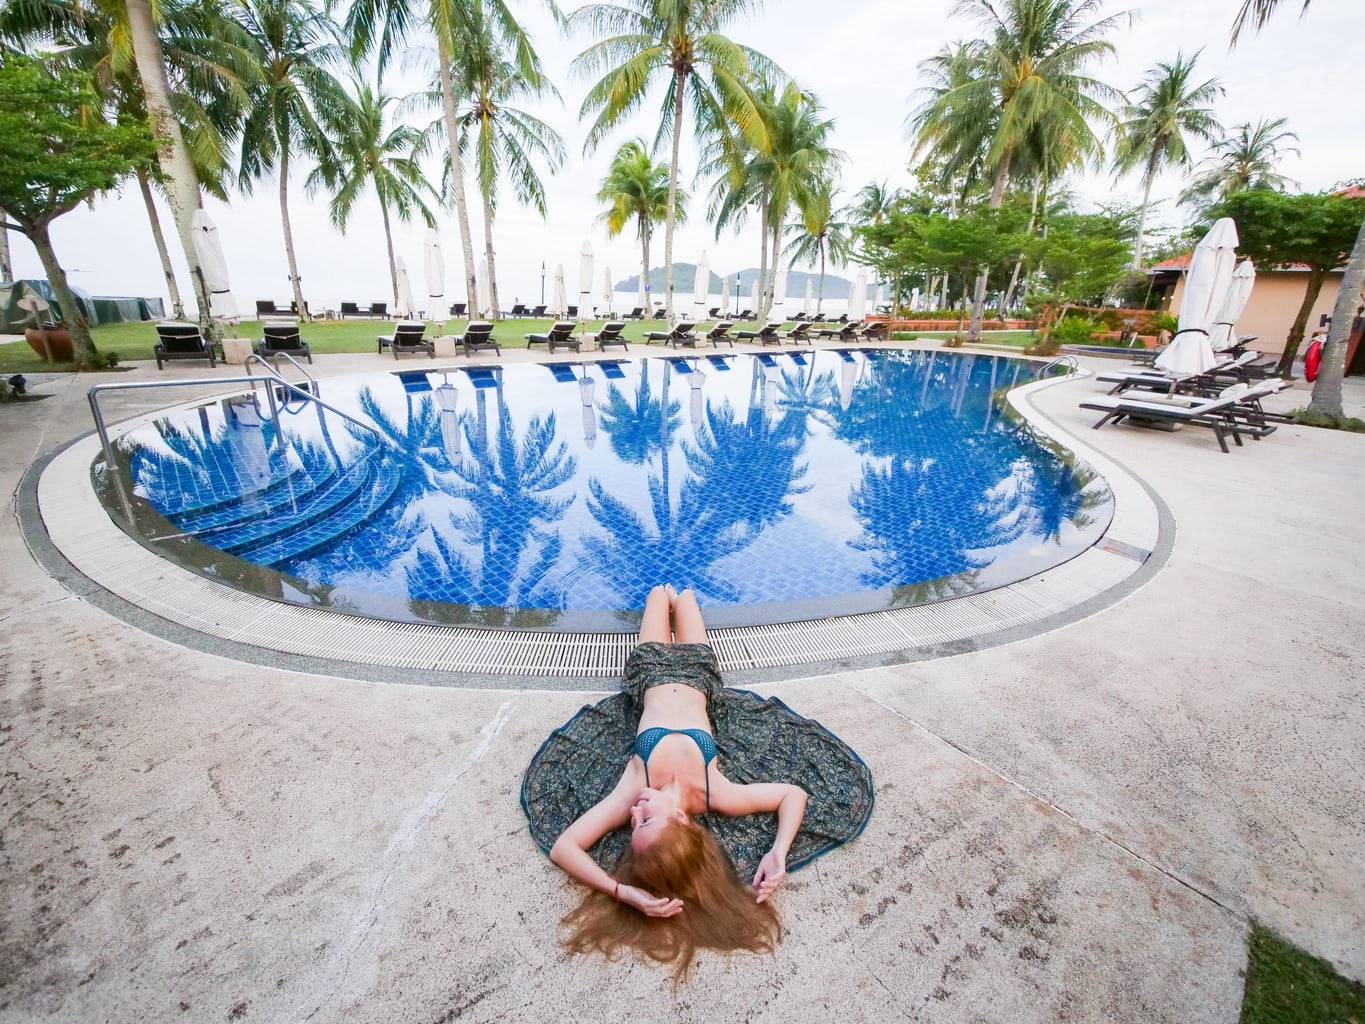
(570, 850)
(790, 804)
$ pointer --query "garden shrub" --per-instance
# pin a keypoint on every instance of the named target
(1074, 330)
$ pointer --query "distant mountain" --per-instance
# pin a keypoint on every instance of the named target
(685, 276)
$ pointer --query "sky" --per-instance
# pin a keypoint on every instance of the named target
(861, 64)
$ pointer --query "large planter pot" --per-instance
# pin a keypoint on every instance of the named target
(58, 340)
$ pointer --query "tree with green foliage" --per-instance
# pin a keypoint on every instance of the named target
(683, 42)
(1080, 260)
(636, 189)
(1245, 158)
(1163, 113)
(819, 234)
(57, 151)
(1281, 230)
(1019, 94)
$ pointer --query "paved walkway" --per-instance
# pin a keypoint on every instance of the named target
(1076, 826)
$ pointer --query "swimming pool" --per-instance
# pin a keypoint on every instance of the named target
(781, 486)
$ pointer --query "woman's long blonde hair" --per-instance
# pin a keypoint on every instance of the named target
(684, 862)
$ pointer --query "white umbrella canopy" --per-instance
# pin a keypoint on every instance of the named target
(485, 304)
(1188, 353)
(724, 298)
(436, 273)
(606, 290)
(702, 292)
(848, 374)
(778, 310)
(808, 307)
(1210, 274)
(755, 293)
(1223, 333)
(208, 250)
(857, 298)
(407, 306)
(560, 306)
(585, 275)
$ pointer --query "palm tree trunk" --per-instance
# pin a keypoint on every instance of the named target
(393, 265)
(644, 251)
(1142, 216)
(772, 290)
(1002, 177)
(182, 183)
(457, 175)
(144, 183)
(82, 345)
(1327, 388)
(820, 296)
(1019, 263)
(679, 80)
(6, 270)
(1316, 275)
(289, 233)
(488, 253)
(762, 311)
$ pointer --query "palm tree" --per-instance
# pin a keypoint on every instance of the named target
(818, 235)
(368, 152)
(683, 40)
(1256, 13)
(1244, 159)
(295, 47)
(872, 203)
(1023, 85)
(1167, 107)
(503, 141)
(637, 188)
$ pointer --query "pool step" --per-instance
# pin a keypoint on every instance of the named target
(305, 509)
(283, 494)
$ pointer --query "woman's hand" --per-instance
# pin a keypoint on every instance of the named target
(771, 870)
(649, 904)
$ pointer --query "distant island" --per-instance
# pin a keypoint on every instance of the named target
(685, 277)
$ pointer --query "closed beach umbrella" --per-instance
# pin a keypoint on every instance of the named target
(696, 407)
(407, 306)
(857, 298)
(484, 291)
(208, 250)
(848, 374)
(587, 391)
(778, 311)
(755, 294)
(585, 275)
(808, 307)
(914, 299)
(1210, 274)
(724, 297)
(606, 291)
(436, 273)
(701, 293)
(1223, 334)
(447, 398)
(561, 301)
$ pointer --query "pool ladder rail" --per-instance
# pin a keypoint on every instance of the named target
(275, 393)
(1067, 362)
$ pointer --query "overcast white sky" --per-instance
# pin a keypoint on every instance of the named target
(859, 57)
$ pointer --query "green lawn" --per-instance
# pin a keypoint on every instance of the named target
(1285, 985)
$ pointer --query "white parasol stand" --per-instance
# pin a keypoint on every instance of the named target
(808, 307)
(1223, 333)
(436, 275)
(1206, 286)
(208, 250)
(777, 313)
(560, 306)
(702, 291)
(606, 291)
(407, 305)
(585, 275)
(857, 297)
(483, 291)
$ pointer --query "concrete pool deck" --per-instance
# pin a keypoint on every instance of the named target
(1074, 826)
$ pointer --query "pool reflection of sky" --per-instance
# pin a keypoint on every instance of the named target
(779, 486)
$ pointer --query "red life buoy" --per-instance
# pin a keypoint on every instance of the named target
(1312, 360)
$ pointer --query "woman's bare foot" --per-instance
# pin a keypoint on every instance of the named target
(672, 596)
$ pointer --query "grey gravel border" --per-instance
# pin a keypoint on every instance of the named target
(747, 653)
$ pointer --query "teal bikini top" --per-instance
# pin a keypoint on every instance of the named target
(646, 741)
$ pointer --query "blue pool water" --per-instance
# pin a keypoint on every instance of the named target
(780, 486)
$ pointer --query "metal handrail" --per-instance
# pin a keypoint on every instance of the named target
(258, 358)
(1071, 363)
(146, 385)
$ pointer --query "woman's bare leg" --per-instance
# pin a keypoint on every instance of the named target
(654, 625)
(688, 626)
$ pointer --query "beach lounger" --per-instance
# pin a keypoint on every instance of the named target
(610, 334)
(638, 313)
(1234, 412)
(661, 313)
(457, 309)
(682, 334)
(406, 339)
(478, 336)
(800, 318)
(719, 333)
(560, 334)
(747, 314)
(281, 338)
(563, 372)
(571, 312)
(767, 334)
(177, 340)
(844, 332)
(611, 369)
(875, 331)
(713, 312)
(719, 361)
(800, 332)
(538, 313)
(267, 307)
(518, 310)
